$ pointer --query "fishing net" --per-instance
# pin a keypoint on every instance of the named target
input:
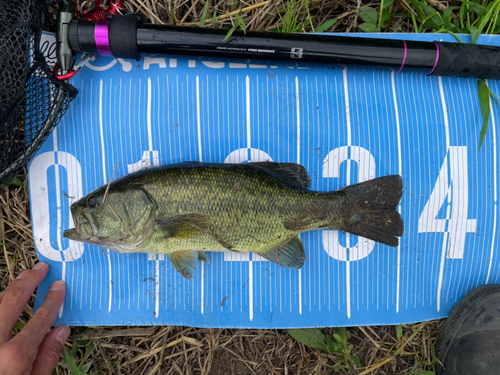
(32, 101)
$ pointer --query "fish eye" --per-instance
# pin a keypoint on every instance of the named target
(91, 202)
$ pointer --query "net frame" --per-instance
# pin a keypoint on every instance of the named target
(32, 100)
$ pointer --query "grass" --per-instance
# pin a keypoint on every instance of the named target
(403, 349)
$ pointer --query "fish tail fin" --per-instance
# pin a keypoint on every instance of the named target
(370, 210)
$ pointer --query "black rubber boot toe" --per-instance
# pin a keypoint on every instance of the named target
(469, 341)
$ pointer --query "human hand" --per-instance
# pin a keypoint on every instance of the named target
(32, 351)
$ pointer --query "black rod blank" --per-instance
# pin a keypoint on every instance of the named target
(433, 58)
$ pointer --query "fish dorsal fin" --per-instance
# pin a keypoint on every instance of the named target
(292, 174)
(291, 253)
(180, 225)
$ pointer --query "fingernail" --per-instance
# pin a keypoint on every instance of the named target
(63, 334)
(40, 266)
(57, 285)
(22, 274)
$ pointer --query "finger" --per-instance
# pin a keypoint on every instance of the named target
(35, 330)
(15, 297)
(50, 351)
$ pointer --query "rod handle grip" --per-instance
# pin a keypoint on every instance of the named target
(468, 60)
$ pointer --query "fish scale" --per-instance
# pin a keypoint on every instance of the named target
(253, 214)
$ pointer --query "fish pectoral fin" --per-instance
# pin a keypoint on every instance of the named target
(176, 225)
(185, 262)
(289, 253)
(203, 257)
(291, 174)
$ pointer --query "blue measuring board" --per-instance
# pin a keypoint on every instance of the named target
(344, 124)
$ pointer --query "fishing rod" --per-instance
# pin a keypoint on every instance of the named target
(128, 36)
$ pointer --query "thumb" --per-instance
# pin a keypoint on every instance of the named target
(50, 350)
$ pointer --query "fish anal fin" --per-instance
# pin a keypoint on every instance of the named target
(203, 257)
(289, 253)
(185, 262)
(291, 174)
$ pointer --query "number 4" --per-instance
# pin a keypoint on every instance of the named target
(452, 191)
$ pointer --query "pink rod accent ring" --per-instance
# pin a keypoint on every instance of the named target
(404, 58)
(437, 59)
(102, 38)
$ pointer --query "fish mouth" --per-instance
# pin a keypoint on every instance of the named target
(71, 234)
(85, 227)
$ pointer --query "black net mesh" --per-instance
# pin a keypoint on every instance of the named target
(32, 101)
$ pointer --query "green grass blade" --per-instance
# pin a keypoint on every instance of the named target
(463, 11)
(72, 365)
(73, 350)
(229, 33)
(306, 3)
(90, 346)
(356, 361)
(399, 331)
(280, 17)
(447, 12)
(387, 3)
(332, 345)
(204, 14)
(491, 27)
(456, 36)
(484, 103)
(420, 15)
(380, 14)
(13, 181)
(429, 13)
(241, 23)
(474, 34)
(414, 23)
(492, 93)
(325, 26)
(172, 15)
(487, 16)
(479, 9)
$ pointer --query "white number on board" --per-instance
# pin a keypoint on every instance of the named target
(366, 171)
(39, 190)
(450, 193)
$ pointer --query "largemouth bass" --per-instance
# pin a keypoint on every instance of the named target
(185, 209)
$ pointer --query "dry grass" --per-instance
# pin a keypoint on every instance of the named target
(260, 15)
(181, 350)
